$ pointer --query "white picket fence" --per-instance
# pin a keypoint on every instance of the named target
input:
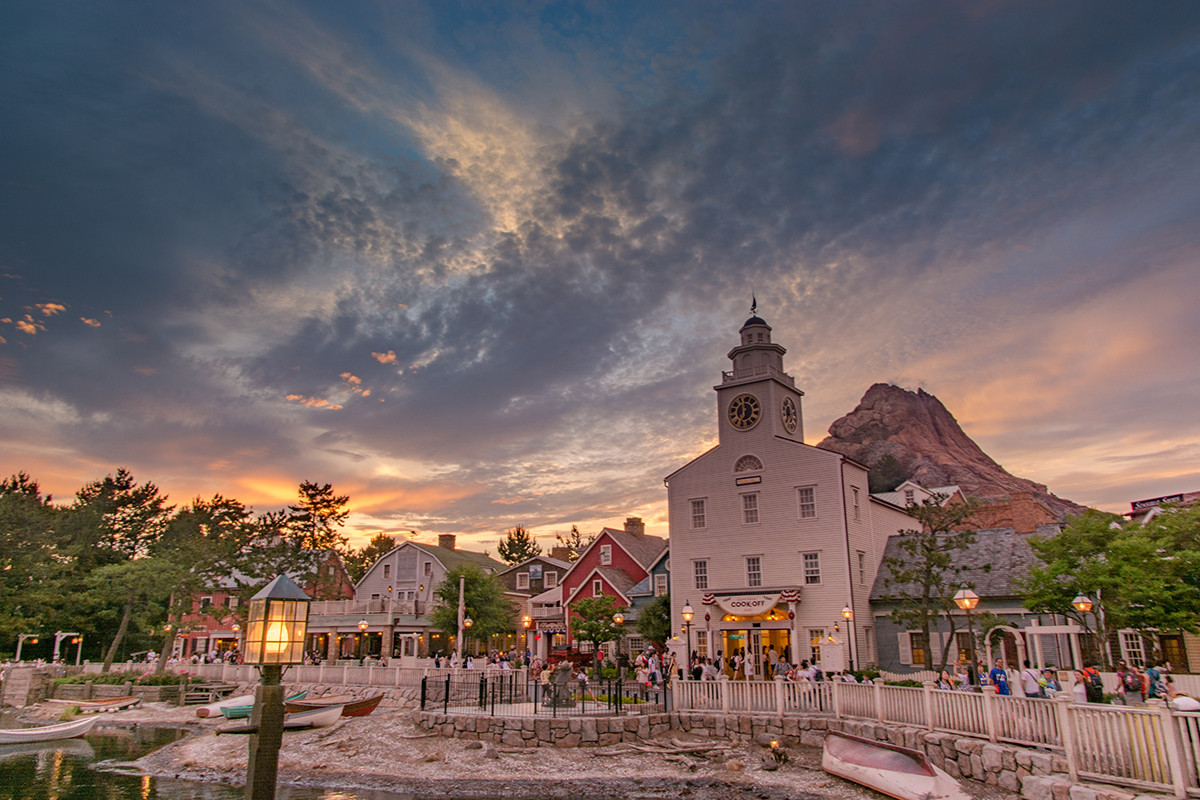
(1150, 748)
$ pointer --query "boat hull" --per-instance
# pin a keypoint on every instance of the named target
(214, 709)
(893, 770)
(243, 711)
(350, 707)
(107, 704)
(315, 718)
(48, 733)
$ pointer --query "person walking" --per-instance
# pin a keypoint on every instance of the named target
(999, 678)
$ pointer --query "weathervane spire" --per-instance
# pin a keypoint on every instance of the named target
(753, 305)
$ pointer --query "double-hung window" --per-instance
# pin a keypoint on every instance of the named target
(754, 570)
(701, 573)
(812, 568)
(699, 515)
(806, 496)
(606, 554)
(750, 508)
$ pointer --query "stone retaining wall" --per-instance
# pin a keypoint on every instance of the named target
(1033, 774)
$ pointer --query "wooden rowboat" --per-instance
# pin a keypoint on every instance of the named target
(243, 711)
(893, 770)
(214, 709)
(350, 706)
(313, 718)
(105, 704)
(48, 733)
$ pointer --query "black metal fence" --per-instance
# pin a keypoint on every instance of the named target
(513, 696)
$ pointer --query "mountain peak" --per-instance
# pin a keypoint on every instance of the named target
(918, 430)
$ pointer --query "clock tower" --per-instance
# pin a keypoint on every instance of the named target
(757, 397)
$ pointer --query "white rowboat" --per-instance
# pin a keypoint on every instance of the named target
(50, 733)
(893, 770)
(316, 718)
(214, 709)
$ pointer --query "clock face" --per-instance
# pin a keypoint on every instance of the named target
(744, 411)
(791, 419)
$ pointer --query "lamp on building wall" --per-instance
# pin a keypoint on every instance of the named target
(275, 638)
(967, 600)
(1083, 604)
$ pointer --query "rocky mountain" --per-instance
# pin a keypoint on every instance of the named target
(924, 437)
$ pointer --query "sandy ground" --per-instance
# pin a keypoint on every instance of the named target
(385, 751)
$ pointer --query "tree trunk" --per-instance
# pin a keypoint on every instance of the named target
(126, 615)
(167, 646)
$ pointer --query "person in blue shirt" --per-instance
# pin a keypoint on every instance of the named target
(999, 677)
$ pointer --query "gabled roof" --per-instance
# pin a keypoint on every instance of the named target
(999, 557)
(547, 597)
(554, 562)
(452, 559)
(614, 577)
(642, 548)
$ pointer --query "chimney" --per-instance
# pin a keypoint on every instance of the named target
(635, 526)
(561, 552)
(446, 540)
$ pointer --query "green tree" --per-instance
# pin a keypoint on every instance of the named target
(654, 622)
(922, 581)
(517, 546)
(592, 621)
(886, 474)
(1142, 577)
(361, 560)
(311, 532)
(124, 519)
(483, 597)
(28, 567)
(575, 542)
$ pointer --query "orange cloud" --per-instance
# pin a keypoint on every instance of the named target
(385, 358)
(28, 325)
(355, 384)
(91, 323)
(313, 402)
(509, 501)
(145, 370)
(50, 309)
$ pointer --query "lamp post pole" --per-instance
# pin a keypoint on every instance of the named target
(688, 612)
(462, 614)
(1084, 604)
(967, 600)
(848, 615)
(277, 629)
(618, 620)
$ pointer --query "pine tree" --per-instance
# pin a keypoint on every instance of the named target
(517, 546)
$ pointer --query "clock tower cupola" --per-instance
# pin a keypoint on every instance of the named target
(757, 389)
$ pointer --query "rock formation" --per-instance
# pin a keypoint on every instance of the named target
(924, 437)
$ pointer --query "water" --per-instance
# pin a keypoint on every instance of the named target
(97, 768)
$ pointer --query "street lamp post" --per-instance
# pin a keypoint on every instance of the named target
(848, 615)
(1083, 604)
(688, 612)
(967, 600)
(618, 620)
(275, 638)
(462, 617)
(362, 640)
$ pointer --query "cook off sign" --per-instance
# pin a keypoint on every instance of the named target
(748, 605)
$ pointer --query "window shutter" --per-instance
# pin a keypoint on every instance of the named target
(935, 647)
(905, 648)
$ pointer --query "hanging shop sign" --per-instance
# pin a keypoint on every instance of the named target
(748, 605)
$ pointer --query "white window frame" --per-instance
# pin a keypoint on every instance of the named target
(387, 570)
(806, 502)
(1132, 648)
(428, 568)
(232, 602)
(660, 584)
(605, 555)
(699, 508)
(522, 580)
(815, 635)
(597, 588)
(550, 579)
(206, 602)
(857, 505)
(812, 568)
(862, 566)
(750, 514)
(753, 571)
(700, 573)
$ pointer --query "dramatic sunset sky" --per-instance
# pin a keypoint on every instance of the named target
(479, 264)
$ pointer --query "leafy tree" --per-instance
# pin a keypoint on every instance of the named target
(135, 587)
(310, 531)
(359, 561)
(654, 623)
(483, 596)
(886, 474)
(124, 519)
(517, 546)
(28, 568)
(1142, 577)
(922, 582)
(592, 621)
(575, 542)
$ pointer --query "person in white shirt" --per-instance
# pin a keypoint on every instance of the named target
(1029, 681)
